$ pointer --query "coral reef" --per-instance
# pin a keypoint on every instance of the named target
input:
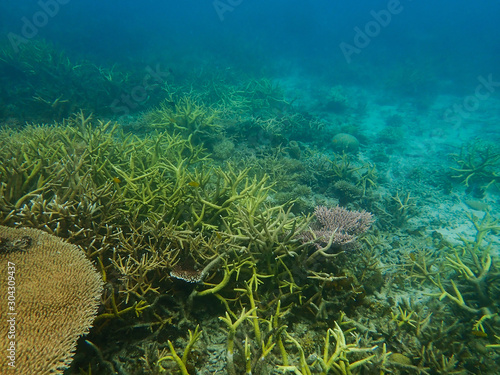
(43, 84)
(209, 227)
(185, 115)
(477, 169)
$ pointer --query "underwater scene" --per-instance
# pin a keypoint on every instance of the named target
(241, 187)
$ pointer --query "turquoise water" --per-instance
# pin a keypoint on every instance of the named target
(242, 145)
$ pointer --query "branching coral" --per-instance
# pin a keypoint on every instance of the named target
(173, 356)
(397, 209)
(473, 263)
(268, 233)
(171, 232)
(185, 115)
(478, 166)
(336, 362)
(467, 276)
(54, 85)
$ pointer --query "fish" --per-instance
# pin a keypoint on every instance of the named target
(193, 184)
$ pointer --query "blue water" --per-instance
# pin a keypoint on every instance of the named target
(415, 83)
(461, 36)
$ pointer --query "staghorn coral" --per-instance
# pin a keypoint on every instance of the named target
(57, 293)
(153, 209)
(55, 85)
(185, 115)
(477, 168)
(334, 359)
(467, 274)
(173, 356)
(347, 191)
